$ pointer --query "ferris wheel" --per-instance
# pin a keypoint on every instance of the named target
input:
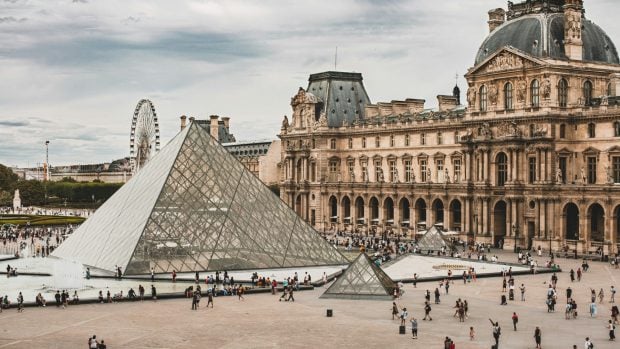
(144, 137)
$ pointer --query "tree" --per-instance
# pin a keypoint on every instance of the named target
(7, 178)
(32, 192)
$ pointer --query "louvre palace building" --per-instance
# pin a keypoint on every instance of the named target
(530, 156)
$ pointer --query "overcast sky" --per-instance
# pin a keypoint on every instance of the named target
(72, 71)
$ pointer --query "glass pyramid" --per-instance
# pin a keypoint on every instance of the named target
(194, 207)
(432, 240)
(362, 280)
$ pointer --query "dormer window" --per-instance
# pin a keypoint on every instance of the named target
(587, 93)
(483, 98)
(563, 93)
(535, 94)
(508, 96)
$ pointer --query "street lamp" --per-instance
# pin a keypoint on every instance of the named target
(550, 252)
(515, 230)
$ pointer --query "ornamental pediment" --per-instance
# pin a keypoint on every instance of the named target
(505, 59)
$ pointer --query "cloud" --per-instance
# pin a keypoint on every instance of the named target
(9, 123)
(12, 19)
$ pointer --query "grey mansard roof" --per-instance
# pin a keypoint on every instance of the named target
(341, 95)
(542, 35)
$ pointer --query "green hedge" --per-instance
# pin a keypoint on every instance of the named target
(21, 219)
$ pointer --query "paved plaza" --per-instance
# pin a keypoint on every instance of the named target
(260, 321)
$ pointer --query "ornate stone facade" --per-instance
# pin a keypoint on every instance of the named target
(533, 160)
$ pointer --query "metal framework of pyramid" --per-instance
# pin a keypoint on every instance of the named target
(433, 240)
(195, 207)
(362, 280)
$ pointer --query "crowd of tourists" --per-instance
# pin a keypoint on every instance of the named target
(27, 241)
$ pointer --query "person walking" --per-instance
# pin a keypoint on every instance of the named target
(93, 343)
(241, 290)
(601, 295)
(414, 327)
(537, 337)
(427, 311)
(141, 291)
(153, 293)
(152, 275)
(472, 333)
(415, 280)
(20, 303)
(613, 294)
(437, 296)
(588, 344)
(515, 320)
(394, 310)
(195, 301)
(612, 330)
(522, 289)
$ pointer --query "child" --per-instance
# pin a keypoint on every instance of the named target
(472, 333)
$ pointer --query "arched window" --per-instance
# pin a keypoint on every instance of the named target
(502, 169)
(483, 98)
(508, 96)
(332, 143)
(587, 92)
(616, 128)
(563, 131)
(563, 93)
(535, 93)
(591, 130)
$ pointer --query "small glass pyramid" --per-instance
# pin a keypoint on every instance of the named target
(194, 207)
(362, 280)
(432, 240)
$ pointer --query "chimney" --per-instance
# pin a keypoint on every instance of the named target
(446, 103)
(214, 127)
(497, 17)
(226, 121)
(183, 122)
(573, 16)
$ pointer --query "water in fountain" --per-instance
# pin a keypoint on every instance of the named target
(67, 275)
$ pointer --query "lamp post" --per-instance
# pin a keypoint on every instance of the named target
(550, 235)
(515, 230)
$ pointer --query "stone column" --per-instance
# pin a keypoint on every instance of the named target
(537, 220)
(538, 166)
(543, 218)
(467, 166)
(509, 165)
(465, 215)
(513, 215)
(485, 213)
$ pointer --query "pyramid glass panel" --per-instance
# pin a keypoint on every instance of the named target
(432, 240)
(362, 280)
(194, 207)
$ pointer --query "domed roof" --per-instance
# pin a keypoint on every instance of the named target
(542, 35)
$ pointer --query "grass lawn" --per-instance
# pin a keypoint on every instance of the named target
(37, 220)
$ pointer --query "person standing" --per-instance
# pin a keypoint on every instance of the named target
(613, 294)
(403, 316)
(153, 293)
(497, 332)
(515, 320)
(537, 337)
(437, 296)
(394, 310)
(601, 295)
(572, 275)
(588, 344)
(414, 327)
(209, 299)
(415, 280)
(522, 289)
(592, 309)
(472, 333)
(152, 275)
(241, 290)
(20, 303)
(612, 330)
(141, 291)
(195, 301)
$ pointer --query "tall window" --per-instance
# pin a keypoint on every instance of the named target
(363, 142)
(483, 98)
(350, 143)
(456, 137)
(439, 167)
(615, 167)
(532, 170)
(333, 167)
(351, 167)
(422, 139)
(457, 170)
(407, 171)
(616, 128)
(393, 175)
(591, 130)
(502, 169)
(609, 89)
(406, 140)
(391, 141)
(377, 142)
(563, 131)
(587, 92)
(508, 96)
(378, 170)
(423, 171)
(313, 143)
(591, 169)
(439, 138)
(563, 93)
(535, 93)
(365, 175)
(332, 143)
(532, 129)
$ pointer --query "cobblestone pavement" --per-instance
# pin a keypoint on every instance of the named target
(260, 321)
